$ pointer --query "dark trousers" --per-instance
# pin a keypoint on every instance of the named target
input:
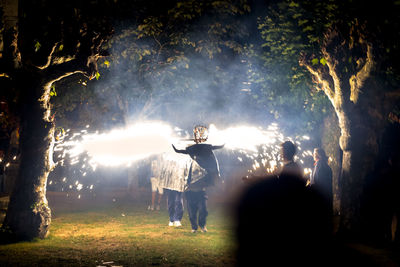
(197, 205)
(175, 205)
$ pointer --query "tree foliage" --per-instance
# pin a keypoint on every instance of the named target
(289, 29)
(170, 54)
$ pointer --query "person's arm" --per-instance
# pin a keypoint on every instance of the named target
(217, 147)
(182, 151)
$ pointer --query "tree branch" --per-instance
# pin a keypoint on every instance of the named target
(49, 57)
(317, 74)
(334, 51)
(331, 64)
(45, 97)
(357, 80)
(78, 65)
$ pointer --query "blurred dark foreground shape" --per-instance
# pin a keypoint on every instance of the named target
(281, 222)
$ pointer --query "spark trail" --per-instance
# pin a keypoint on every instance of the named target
(120, 148)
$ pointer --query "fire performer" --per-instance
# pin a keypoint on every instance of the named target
(203, 173)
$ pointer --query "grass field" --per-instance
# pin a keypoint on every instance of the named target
(117, 231)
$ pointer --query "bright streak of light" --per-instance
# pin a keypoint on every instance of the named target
(256, 147)
(122, 146)
(242, 137)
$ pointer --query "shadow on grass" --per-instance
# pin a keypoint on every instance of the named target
(7, 237)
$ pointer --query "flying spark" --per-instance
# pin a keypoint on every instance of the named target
(256, 148)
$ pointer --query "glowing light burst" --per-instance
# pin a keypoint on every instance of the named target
(259, 146)
(245, 137)
(257, 149)
(121, 146)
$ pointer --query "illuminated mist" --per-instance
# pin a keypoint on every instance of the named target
(160, 108)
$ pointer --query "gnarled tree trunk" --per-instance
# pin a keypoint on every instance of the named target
(28, 215)
(359, 143)
(76, 50)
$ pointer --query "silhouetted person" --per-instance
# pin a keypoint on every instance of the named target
(203, 173)
(288, 150)
(321, 176)
(281, 222)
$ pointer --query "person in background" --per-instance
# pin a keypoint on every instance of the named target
(289, 218)
(156, 189)
(288, 151)
(289, 166)
(203, 173)
(321, 176)
(173, 181)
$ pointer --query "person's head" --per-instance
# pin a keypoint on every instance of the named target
(288, 150)
(200, 134)
(319, 154)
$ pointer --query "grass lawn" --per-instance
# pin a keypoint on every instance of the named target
(117, 231)
(114, 230)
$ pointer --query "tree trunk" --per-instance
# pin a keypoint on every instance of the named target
(359, 156)
(330, 143)
(359, 103)
(28, 214)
